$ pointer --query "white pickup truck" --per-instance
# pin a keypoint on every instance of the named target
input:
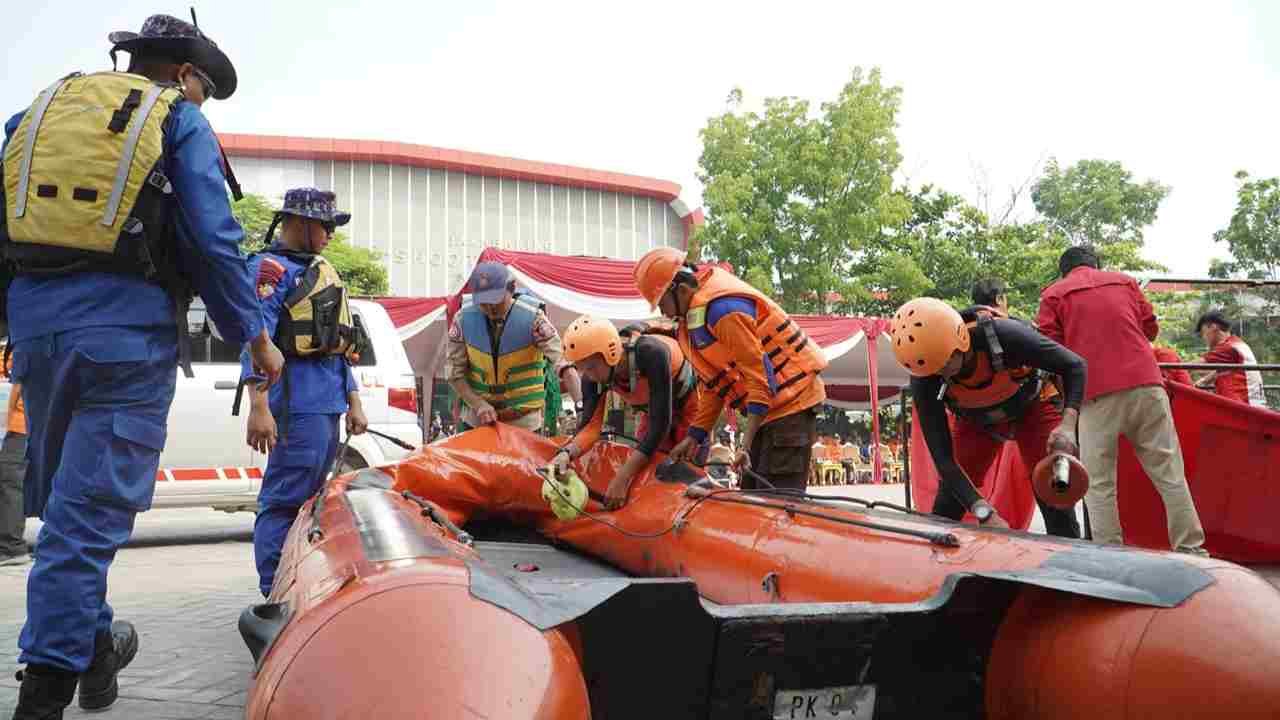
(206, 461)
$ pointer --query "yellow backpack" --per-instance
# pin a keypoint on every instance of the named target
(84, 184)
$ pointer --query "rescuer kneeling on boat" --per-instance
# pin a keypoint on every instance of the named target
(989, 371)
(500, 348)
(304, 306)
(750, 355)
(650, 373)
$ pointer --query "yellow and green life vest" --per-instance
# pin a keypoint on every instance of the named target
(511, 378)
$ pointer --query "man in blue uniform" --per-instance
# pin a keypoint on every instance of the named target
(304, 308)
(94, 331)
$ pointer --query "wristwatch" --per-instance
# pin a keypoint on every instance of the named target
(983, 511)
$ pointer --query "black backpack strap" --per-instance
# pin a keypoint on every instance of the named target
(230, 175)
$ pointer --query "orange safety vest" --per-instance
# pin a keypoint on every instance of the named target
(993, 393)
(635, 391)
(796, 359)
(17, 419)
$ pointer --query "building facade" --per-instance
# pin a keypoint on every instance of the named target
(429, 211)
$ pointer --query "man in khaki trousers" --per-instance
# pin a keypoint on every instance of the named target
(1105, 318)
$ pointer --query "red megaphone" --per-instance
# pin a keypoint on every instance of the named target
(1060, 480)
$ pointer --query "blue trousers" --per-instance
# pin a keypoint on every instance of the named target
(296, 469)
(97, 403)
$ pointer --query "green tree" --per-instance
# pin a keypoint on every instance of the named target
(794, 197)
(946, 245)
(361, 269)
(254, 214)
(1253, 234)
(1097, 201)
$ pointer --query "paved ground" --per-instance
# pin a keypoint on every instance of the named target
(184, 580)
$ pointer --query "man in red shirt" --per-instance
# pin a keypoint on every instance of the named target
(1105, 318)
(1225, 348)
(1169, 355)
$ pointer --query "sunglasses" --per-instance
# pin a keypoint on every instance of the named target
(329, 226)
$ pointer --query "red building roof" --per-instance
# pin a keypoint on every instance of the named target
(426, 156)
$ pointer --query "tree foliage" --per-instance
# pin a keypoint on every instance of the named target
(1253, 234)
(1097, 202)
(803, 206)
(793, 196)
(361, 269)
(254, 214)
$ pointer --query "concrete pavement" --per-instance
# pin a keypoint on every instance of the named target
(183, 582)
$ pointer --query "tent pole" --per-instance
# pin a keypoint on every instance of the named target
(877, 463)
(904, 443)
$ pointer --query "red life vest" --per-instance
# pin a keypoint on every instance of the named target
(992, 393)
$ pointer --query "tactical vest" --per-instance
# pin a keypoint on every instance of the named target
(85, 188)
(796, 361)
(992, 393)
(512, 379)
(317, 319)
(636, 390)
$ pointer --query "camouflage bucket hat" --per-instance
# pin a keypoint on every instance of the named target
(315, 204)
(180, 41)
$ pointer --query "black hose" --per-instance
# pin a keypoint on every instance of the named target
(393, 440)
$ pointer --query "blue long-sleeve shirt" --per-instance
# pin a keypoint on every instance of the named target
(316, 385)
(208, 239)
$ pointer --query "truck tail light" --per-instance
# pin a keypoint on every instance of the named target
(403, 398)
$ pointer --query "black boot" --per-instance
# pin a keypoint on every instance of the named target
(44, 693)
(112, 652)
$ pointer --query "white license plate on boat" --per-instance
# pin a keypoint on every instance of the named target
(852, 702)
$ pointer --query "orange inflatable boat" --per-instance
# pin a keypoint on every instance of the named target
(444, 587)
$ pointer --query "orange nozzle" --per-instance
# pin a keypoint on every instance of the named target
(1060, 480)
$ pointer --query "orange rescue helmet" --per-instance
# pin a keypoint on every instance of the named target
(656, 270)
(589, 335)
(926, 332)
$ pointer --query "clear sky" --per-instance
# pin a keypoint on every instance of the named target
(1186, 93)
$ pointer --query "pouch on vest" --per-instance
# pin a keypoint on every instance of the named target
(85, 186)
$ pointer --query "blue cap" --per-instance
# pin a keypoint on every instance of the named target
(489, 283)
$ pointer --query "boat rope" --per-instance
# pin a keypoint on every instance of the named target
(868, 504)
(435, 514)
(676, 524)
(944, 539)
